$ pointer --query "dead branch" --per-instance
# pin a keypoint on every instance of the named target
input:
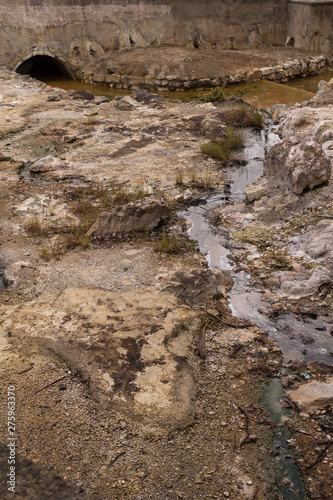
(116, 457)
(51, 383)
(26, 370)
(202, 339)
(202, 309)
(320, 457)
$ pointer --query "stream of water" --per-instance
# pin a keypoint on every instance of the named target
(292, 333)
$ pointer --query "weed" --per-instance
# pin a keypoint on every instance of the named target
(193, 175)
(53, 249)
(167, 245)
(258, 120)
(242, 116)
(216, 95)
(34, 227)
(179, 178)
(221, 149)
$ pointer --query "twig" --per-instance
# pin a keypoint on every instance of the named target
(246, 420)
(202, 309)
(202, 335)
(26, 370)
(116, 457)
(302, 432)
(320, 457)
(51, 383)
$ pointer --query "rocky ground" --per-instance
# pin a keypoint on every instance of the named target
(102, 316)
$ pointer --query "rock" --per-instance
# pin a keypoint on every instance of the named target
(20, 274)
(82, 94)
(140, 215)
(297, 164)
(101, 99)
(322, 241)
(139, 95)
(314, 394)
(111, 69)
(46, 164)
(256, 190)
(322, 84)
(323, 130)
(306, 288)
(200, 285)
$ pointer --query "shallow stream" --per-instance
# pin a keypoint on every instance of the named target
(303, 339)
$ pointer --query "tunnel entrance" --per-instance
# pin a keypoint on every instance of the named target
(42, 67)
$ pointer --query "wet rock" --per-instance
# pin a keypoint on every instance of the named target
(314, 394)
(20, 274)
(306, 288)
(142, 215)
(82, 94)
(297, 164)
(200, 285)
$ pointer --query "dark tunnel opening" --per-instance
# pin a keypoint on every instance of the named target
(43, 67)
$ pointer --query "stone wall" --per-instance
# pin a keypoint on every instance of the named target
(310, 25)
(279, 73)
(77, 31)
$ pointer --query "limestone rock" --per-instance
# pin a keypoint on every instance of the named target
(101, 99)
(19, 274)
(322, 242)
(297, 164)
(46, 164)
(314, 394)
(141, 215)
(323, 130)
(256, 190)
(306, 288)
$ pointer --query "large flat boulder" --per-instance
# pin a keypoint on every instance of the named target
(141, 215)
(131, 348)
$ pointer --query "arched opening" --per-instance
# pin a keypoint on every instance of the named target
(43, 67)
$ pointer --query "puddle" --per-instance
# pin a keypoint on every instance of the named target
(284, 460)
(299, 338)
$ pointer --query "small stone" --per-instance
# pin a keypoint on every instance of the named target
(286, 481)
(123, 425)
(226, 494)
(62, 386)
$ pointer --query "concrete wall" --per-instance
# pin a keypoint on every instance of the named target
(310, 23)
(77, 31)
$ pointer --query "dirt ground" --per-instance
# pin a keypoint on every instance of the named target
(100, 338)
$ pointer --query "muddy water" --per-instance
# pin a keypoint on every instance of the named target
(263, 94)
(303, 339)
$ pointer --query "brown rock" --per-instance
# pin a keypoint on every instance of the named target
(140, 215)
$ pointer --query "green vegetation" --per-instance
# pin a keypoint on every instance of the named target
(242, 116)
(216, 95)
(173, 245)
(221, 148)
